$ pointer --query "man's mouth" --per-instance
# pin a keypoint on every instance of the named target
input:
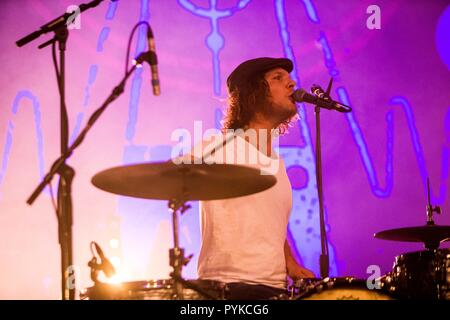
(291, 97)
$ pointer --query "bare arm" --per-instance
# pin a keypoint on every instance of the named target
(293, 268)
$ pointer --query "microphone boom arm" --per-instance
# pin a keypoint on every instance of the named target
(118, 90)
(55, 23)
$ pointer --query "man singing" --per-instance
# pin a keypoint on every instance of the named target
(244, 239)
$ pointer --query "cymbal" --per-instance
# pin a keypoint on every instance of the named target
(431, 235)
(169, 181)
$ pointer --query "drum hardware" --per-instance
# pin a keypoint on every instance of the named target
(176, 254)
(301, 285)
(430, 208)
(431, 235)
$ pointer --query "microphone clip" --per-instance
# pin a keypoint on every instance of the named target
(329, 103)
(95, 268)
(147, 56)
(104, 265)
(319, 92)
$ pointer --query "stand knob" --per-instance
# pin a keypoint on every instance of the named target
(188, 259)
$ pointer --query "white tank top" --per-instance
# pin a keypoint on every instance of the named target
(243, 238)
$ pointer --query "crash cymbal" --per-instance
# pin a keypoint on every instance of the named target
(168, 181)
(431, 235)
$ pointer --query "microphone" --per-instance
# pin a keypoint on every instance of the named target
(320, 99)
(153, 61)
(105, 264)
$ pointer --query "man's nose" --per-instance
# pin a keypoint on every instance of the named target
(291, 84)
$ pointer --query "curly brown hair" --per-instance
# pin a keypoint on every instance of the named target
(247, 100)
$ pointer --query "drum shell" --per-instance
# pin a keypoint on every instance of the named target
(422, 275)
(152, 290)
(345, 288)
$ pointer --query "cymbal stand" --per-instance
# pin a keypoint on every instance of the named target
(430, 222)
(430, 208)
(176, 254)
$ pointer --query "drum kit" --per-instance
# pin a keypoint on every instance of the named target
(416, 275)
(177, 184)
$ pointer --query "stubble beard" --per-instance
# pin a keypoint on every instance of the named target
(279, 114)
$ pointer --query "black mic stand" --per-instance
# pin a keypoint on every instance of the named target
(59, 165)
(66, 173)
(324, 257)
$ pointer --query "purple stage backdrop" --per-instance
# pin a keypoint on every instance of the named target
(390, 61)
